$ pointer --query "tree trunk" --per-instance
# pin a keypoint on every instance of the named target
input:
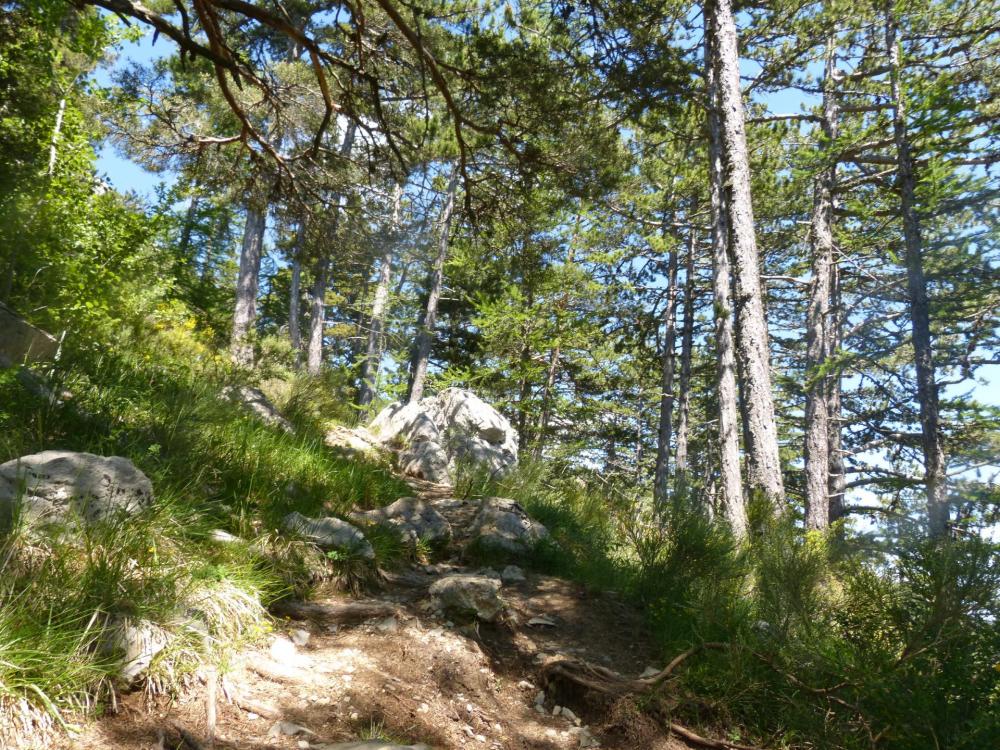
(763, 461)
(730, 485)
(524, 389)
(837, 486)
(817, 415)
(376, 340)
(317, 317)
(56, 133)
(684, 386)
(932, 440)
(247, 283)
(295, 294)
(661, 477)
(422, 348)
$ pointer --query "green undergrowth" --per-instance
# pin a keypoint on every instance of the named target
(824, 645)
(213, 467)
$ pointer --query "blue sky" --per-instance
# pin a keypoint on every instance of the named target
(126, 175)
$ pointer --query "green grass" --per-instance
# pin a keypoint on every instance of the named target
(828, 646)
(213, 466)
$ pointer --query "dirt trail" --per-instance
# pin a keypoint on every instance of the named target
(411, 675)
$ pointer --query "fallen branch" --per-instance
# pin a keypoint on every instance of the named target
(345, 613)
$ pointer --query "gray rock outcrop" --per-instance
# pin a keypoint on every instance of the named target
(503, 526)
(467, 595)
(329, 534)
(455, 425)
(65, 485)
(413, 518)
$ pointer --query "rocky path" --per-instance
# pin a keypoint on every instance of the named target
(405, 674)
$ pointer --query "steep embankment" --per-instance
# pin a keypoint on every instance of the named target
(393, 666)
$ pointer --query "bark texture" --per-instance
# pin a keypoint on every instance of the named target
(763, 462)
(733, 506)
(818, 320)
(247, 282)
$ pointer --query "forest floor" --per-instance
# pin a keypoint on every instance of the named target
(410, 676)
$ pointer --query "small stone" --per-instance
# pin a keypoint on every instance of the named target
(287, 728)
(539, 708)
(252, 716)
(512, 574)
(649, 672)
(355, 715)
(222, 537)
(525, 685)
(388, 625)
(540, 698)
(300, 637)
(569, 715)
(542, 621)
(556, 710)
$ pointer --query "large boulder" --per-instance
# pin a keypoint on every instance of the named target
(63, 485)
(468, 595)
(426, 459)
(455, 425)
(413, 518)
(330, 534)
(254, 401)
(502, 526)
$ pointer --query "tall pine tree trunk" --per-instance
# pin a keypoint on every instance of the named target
(317, 316)
(684, 385)
(730, 484)
(932, 440)
(661, 477)
(376, 338)
(763, 462)
(817, 415)
(317, 307)
(425, 336)
(248, 282)
(295, 294)
(837, 485)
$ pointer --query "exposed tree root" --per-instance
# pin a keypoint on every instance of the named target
(602, 680)
(697, 739)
